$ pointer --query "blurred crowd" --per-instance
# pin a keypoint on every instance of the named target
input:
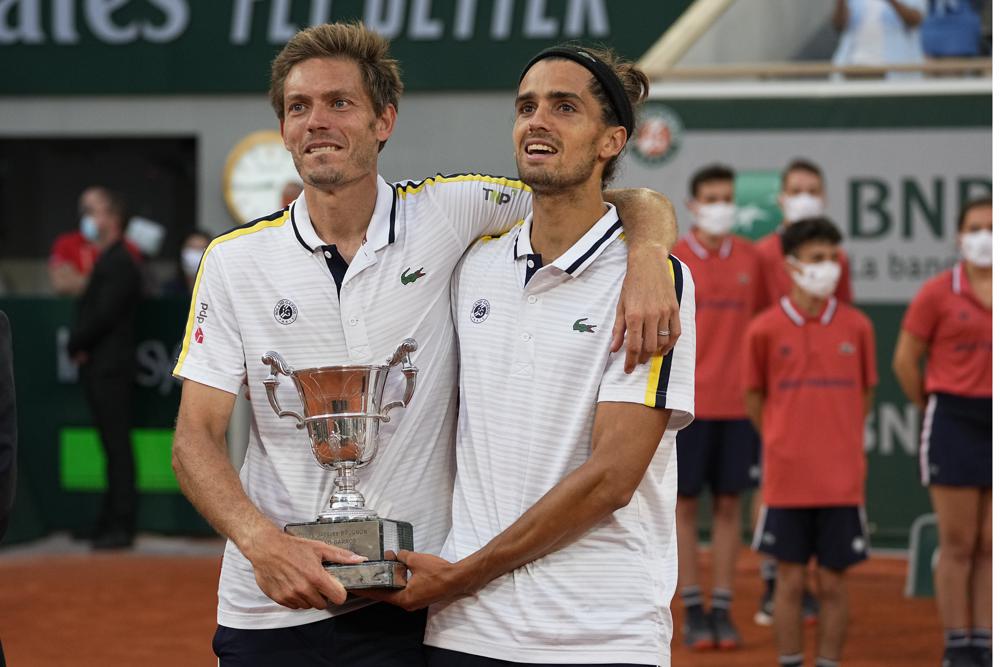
(905, 32)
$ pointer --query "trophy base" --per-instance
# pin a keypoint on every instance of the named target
(373, 574)
(370, 538)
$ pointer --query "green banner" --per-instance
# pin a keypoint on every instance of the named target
(216, 46)
(60, 464)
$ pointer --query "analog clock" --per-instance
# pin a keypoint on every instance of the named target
(257, 170)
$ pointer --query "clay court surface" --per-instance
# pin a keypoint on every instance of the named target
(155, 607)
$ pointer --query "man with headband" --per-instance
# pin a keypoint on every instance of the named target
(562, 547)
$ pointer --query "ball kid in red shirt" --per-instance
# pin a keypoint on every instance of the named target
(809, 375)
(720, 449)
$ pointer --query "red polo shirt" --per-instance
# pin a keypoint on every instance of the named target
(729, 291)
(958, 330)
(73, 249)
(814, 372)
(779, 283)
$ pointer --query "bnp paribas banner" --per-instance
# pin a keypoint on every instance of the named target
(209, 46)
(897, 170)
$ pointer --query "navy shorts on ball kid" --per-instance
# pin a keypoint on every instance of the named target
(837, 536)
(722, 453)
(956, 444)
(379, 635)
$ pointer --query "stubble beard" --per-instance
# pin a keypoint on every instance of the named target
(329, 177)
(549, 182)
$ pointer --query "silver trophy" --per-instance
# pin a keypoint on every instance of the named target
(342, 413)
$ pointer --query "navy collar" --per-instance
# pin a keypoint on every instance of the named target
(381, 228)
(582, 253)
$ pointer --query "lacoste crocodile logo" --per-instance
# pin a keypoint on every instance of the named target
(583, 328)
(408, 278)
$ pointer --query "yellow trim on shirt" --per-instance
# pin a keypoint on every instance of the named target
(656, 363)
(234, 234)
(414, 188)
(488, 237)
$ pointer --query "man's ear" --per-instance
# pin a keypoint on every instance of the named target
(614, 142)
(385, 123)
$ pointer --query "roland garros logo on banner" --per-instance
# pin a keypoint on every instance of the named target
(657, 134)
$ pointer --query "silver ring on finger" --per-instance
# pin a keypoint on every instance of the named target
(663, 333)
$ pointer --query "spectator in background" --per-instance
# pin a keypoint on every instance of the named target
(879, 32)
(803, 195)
(809, 375)
(73, 254)
(952, 29)
(720, 448)
(188, 262)
(950, 325)
(102, 341)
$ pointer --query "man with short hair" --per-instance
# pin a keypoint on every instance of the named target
(562, 544)
(809, 375)
(720, 449)
(102, 341)
(803, 195)
(342, 276)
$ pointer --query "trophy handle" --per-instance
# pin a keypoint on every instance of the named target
(402, 354)
(278, 367)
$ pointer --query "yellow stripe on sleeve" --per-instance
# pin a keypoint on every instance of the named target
(236, 233)
(656, 363)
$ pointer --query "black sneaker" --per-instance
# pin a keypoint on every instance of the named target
(723, 631)
(697, 633)
(765, 612)
(114, 539)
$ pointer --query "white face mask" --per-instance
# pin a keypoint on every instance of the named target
(977, 247)
(88, 227)
(819, 279)
(801, 206)
(190, 259)
(716, 219)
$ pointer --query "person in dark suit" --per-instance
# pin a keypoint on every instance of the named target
(102, 341)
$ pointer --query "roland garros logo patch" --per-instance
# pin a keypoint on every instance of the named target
(480, 311)
(285, 312)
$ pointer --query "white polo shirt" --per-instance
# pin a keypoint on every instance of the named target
(535, 361)
(270, 285)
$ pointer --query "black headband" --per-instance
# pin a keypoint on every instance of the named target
(609, 81)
